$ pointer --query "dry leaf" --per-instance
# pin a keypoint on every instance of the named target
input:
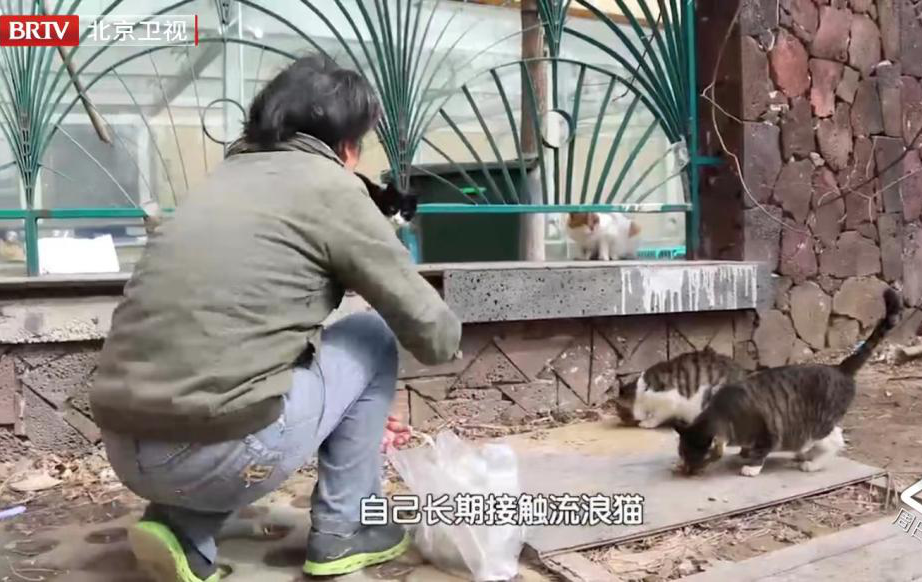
(34, 481)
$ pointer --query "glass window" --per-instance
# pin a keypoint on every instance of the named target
(78, 246)
(162, 118)
(81, 171)
(12, 248)
(10, 193)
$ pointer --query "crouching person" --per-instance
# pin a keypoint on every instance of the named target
(217, 382)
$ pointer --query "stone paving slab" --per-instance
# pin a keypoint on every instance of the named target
(601, 458)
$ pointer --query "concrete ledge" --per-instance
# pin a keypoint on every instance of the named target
(105, 280)
(55, 320)
(480, 292)
(46, 310)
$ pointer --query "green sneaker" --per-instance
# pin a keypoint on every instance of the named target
(333, 555)
(161, 556)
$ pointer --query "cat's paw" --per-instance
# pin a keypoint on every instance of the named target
(750, 470)
(649, 423)
(800, 456)
(811, 466)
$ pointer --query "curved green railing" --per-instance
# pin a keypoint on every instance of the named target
(639, 92)
(650, 72)
(566, 183)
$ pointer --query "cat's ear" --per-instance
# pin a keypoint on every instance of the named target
(373, 189)
(399, 192)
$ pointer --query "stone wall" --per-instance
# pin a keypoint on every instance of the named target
(515, 370)
(828, 96)
(43, 398)
(510, 371)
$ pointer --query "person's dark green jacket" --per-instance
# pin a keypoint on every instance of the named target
(230, 291)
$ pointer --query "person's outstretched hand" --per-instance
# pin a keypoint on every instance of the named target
(396, 434)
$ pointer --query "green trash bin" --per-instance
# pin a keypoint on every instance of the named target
(462, 238)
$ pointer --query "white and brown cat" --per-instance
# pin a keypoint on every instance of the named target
(603, 236)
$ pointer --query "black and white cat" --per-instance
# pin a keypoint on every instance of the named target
(795, 408)
(398, 206)
(679, 388)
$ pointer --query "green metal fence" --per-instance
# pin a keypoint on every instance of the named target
(618, 89)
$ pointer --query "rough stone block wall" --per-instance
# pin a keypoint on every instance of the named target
(517, 370)
(43, 398)
(510, 372)
(831, 97)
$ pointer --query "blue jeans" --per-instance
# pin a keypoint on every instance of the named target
(337, 409)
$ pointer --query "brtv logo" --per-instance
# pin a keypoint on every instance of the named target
(39, 30)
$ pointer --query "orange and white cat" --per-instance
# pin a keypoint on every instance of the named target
(604, 236)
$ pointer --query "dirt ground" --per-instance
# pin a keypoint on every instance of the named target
(882, 429)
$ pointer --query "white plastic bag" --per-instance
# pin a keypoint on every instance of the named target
(448, 465)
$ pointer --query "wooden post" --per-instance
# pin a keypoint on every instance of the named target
(95, 119)
(531, 242)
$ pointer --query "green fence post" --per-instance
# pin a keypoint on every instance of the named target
(31, 228)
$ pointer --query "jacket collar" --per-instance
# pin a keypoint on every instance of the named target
(299, 142)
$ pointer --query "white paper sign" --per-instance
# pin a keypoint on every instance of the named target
(71, 256)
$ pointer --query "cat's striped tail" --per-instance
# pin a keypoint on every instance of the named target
(859, 357)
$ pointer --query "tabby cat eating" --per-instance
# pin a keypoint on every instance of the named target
(794, 408)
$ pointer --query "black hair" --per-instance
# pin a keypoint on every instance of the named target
(315, 96)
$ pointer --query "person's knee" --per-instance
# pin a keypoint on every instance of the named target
(373, 334)
(377, 330)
